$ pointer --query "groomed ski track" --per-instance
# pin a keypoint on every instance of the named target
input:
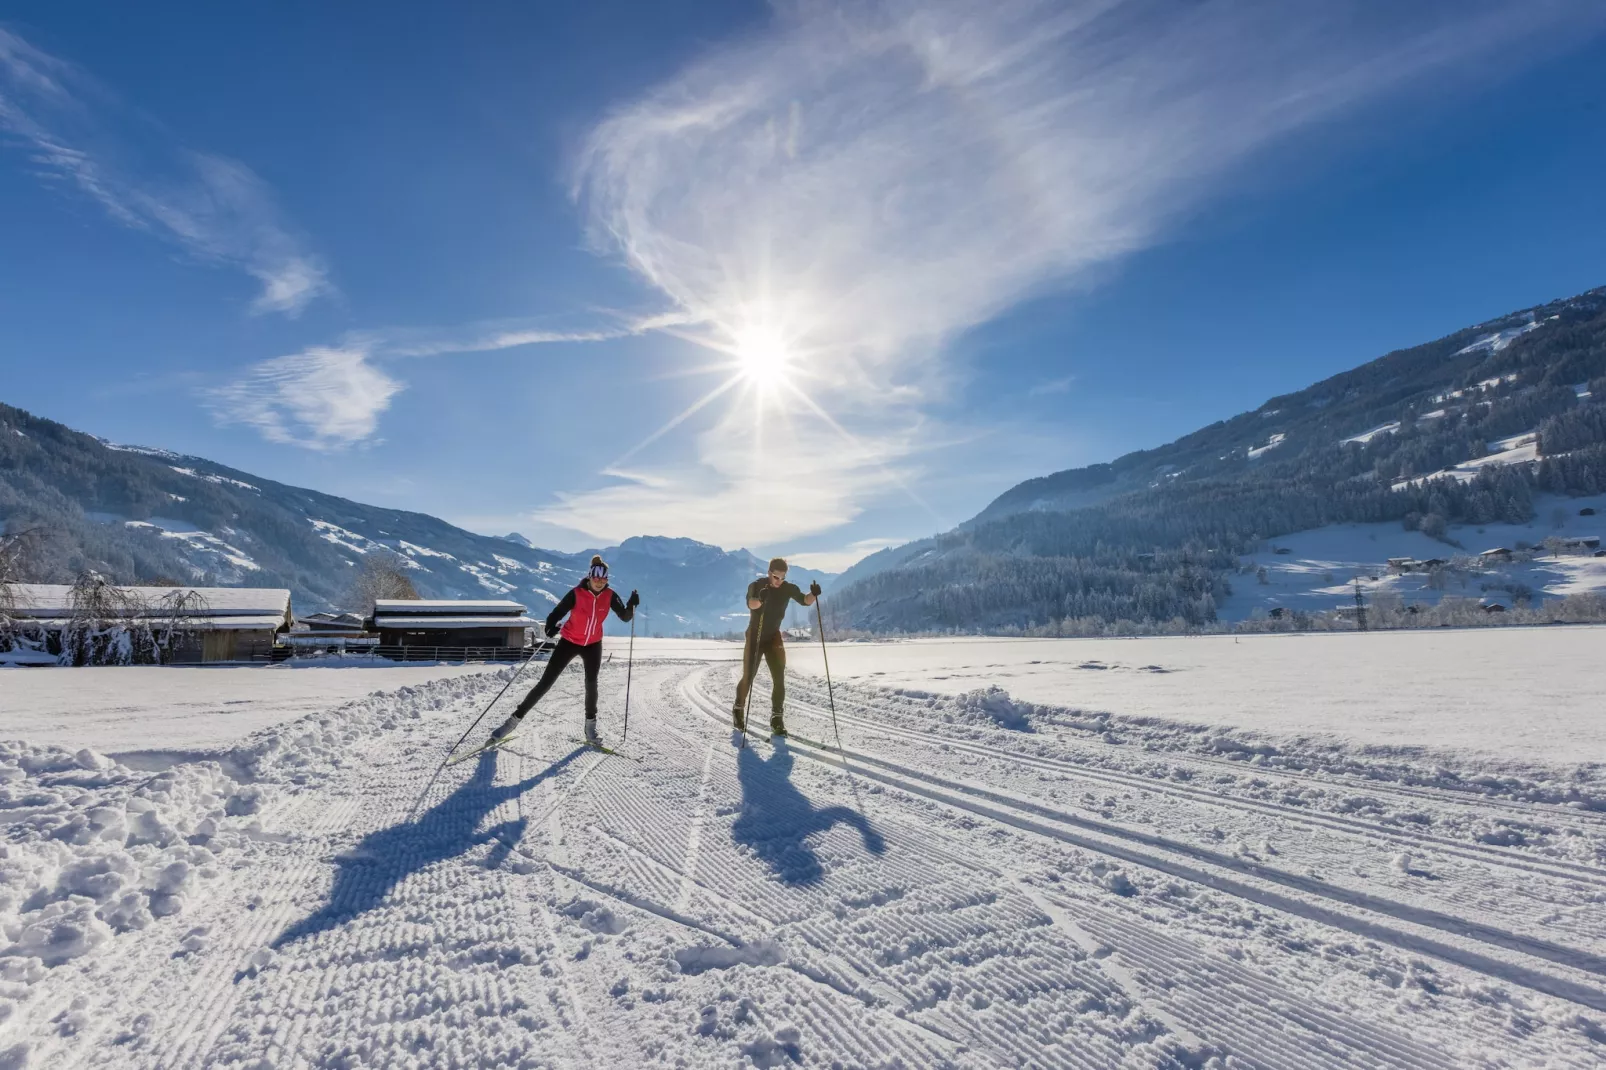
(934, 895)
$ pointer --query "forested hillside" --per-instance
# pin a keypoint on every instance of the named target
(139, 514)
(1464, 429)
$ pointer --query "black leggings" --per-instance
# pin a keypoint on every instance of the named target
(590, 655)
(773, 650)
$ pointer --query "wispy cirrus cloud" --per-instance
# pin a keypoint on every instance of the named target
(1061, 385)
(324, 398)
(77, 134)
(865, 180)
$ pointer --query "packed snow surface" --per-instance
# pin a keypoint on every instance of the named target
(1530, 693)
(977, 878)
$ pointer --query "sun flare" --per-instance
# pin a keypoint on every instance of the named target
(762, 357)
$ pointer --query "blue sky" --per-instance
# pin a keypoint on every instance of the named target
(481, 263)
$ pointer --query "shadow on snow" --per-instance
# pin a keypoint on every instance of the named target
(383, 859)
(777, 819)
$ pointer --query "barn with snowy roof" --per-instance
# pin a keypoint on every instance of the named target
(205, 624)
(493, 624)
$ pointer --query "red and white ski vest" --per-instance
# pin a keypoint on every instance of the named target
(584, 625)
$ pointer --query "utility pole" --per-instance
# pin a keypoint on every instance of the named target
(1360, 606)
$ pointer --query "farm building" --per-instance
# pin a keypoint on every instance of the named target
(422, 622)
(193, 624)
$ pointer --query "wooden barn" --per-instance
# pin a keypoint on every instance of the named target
(447, 623)
(208, 624)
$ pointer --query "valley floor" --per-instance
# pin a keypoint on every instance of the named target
(983, 882)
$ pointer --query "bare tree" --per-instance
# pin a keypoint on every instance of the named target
(110, 624)
(12, 548)
(383, 575)
(173, 620)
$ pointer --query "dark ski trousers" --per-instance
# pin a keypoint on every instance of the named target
(590, 656)
(774, 652)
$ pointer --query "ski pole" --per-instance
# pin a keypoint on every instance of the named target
(820, 619)
(750, 674)
(630, 663)
(411, 813)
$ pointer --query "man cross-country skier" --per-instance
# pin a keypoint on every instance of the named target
(587, 608)
(767, 602)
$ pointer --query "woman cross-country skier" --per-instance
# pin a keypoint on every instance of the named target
(587, 607)
(767, 603)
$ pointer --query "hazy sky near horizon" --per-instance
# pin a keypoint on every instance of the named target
(808, 277)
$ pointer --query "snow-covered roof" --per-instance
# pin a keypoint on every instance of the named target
(434, 621)
(414, 607)
(218, 606)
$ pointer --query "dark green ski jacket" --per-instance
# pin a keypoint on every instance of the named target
(767, 620)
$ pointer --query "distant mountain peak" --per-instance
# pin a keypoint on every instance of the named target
(518, 540)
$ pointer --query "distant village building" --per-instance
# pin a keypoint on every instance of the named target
(416, 622)
(1583, 543)
(332, 625)
(337, 632)
(1499, 553)
(209, 624)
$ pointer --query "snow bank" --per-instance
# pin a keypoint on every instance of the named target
(95, 848)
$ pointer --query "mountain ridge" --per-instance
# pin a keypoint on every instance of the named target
(140, 512)
(1425, 435)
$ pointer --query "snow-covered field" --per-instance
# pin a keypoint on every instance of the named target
(992, 880)
(1524, 693)
(146, 707)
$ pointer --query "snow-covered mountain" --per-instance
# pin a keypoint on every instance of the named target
(1439, 440)
(141, 513)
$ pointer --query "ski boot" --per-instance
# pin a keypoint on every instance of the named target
(777, 726)
(592, 739)
(506, 728)
(738, 721)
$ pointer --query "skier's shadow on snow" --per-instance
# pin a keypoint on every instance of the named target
(383, 859)
(777, 819)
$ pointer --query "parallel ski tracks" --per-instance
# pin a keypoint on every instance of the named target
(1534, 811)
(1271, 1041)
(1352, 911)
(1563, 869)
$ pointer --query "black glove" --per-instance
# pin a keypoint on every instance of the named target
(633, 601)
(814, 588)
(551, 629)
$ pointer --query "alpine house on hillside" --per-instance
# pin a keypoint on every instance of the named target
(420, 622)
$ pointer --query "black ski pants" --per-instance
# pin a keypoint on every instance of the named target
(589, 655)
(774, 654)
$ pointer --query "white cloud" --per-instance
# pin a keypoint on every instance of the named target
(324, 398)
(840, 560)
(1061, 385)
(215, 209)
(802, 478)
(866, 180)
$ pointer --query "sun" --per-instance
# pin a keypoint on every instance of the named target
(762, 357)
